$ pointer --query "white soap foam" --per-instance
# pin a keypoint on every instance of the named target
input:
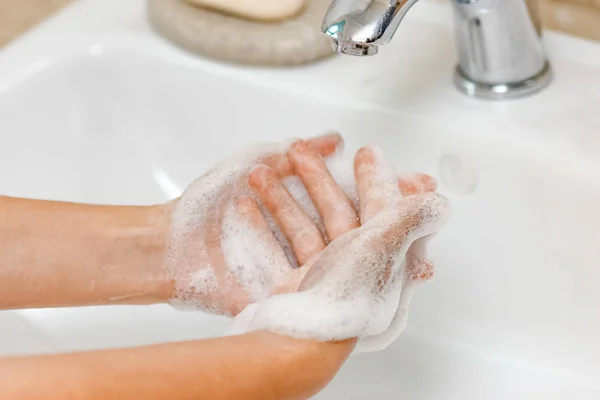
(361, 285)
(213, 252)
(256, 259)
(244, 253)
(342, 170)
(204, 281)
(209, 242)
(295, 187)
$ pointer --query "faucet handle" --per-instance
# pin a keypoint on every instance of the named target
(500, 49)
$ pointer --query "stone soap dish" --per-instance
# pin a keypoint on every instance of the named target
(289, 42)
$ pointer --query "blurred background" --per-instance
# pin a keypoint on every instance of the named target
(17, 16)
(577, 17)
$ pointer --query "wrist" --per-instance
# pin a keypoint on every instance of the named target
(137, 239)
(313, 363)
(153, 238)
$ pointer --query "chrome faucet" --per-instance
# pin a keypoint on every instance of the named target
(499, 42)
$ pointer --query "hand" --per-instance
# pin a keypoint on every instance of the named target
(223, 253)
(361, 284)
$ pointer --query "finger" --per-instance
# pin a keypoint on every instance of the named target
(375, 183)
(416, 183)
(324, 145)
(418, 267)
(249, 212)
(335, 208)
(302, 233)
(416, 217)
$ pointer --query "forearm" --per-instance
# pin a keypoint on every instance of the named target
(258, 365)
(65, 254)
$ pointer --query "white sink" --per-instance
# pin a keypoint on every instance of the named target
(94, 107)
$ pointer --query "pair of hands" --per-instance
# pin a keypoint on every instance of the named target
(227, 252)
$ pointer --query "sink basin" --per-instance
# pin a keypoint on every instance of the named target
(94, 107)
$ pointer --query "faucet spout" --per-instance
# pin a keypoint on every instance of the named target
(499, 42)
(359, 27)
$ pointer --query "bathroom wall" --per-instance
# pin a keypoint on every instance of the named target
(16, 16)
(578, 17)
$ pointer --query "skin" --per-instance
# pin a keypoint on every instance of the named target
(201, 246)
(63, 254)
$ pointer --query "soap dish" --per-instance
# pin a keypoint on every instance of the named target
(228, 38)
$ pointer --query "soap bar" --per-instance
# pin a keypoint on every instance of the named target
(263, 10)
(293, 41)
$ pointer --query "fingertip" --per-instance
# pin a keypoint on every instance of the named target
(260, 176)
(335, 141)
(335, 136)
(372, 188)
(365, 156)
(326, 144)
(307, 161)
(428, 182)
(416, 183)
(296, 151)
(299, 145)
(421, 269)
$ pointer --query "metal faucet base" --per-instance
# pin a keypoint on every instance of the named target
(501, 91)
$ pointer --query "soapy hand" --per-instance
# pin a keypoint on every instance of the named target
(237, 234)
(223, 253)
(361, 284)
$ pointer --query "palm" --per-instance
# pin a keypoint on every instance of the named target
(363, 281)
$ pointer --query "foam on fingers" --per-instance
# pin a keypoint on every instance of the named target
(324, 145)
(221, 255)
(375, 180)
(233, 229)
(227, 246)
(416, 183)
(300, 230)
(345, 293)
(334, 206)
(362, 283)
